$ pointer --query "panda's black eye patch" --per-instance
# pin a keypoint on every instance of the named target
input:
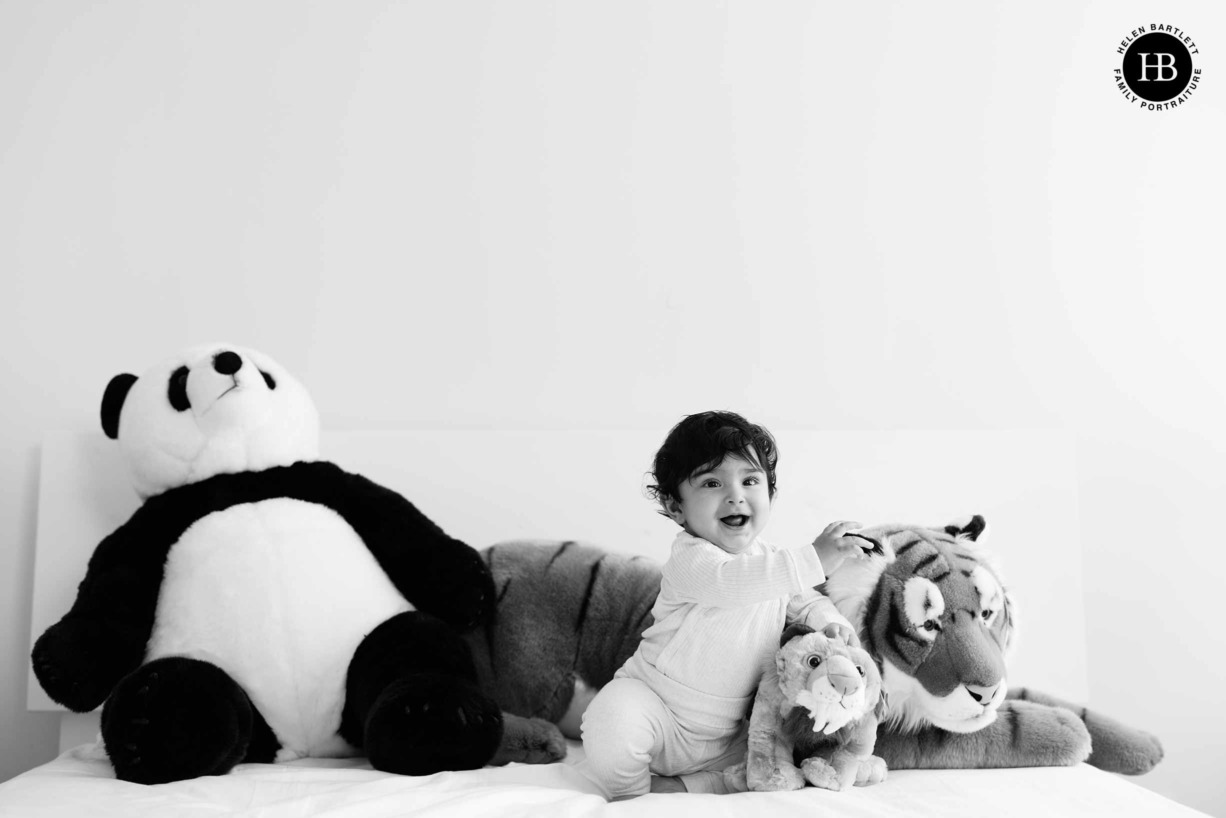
(178, 390)
(268, 380)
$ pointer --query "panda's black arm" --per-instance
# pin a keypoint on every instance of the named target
(103, 636)
(438, 574)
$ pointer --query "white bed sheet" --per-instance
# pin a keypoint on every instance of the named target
(80, 783)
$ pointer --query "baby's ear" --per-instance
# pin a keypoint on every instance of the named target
(672, 510)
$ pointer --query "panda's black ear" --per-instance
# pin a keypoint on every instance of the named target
(112, 403)
(971, 529)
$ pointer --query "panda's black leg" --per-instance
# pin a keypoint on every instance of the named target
(263, 745)
(412, 700)
(178, 718)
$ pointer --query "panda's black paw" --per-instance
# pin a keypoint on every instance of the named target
(173, 719)
(461, 592)
(427, 723)
(77, 661)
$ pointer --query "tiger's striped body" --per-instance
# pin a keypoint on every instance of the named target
(569, 614)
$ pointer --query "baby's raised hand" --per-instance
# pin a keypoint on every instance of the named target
(833, 546)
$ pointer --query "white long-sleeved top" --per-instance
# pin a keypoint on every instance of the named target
(719, 616)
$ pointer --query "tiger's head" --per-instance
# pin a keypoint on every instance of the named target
(933, 612)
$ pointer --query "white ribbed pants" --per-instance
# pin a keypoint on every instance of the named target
(629, 733)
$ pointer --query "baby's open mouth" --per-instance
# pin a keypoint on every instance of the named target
(735, 520)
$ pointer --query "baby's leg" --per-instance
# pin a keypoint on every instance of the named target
(723, 770)
(623, 730)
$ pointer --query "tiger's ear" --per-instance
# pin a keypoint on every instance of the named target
(967, 528)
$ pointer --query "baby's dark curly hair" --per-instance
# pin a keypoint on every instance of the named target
(700, 442)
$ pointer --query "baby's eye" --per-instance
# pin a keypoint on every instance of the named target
(710, 484)
(752, 481)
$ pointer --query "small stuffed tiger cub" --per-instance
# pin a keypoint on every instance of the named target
(815, 715)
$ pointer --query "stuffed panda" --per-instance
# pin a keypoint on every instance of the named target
(263, 604)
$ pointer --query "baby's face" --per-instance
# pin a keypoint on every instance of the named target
(728, 505)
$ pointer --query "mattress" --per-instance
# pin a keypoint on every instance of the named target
(80, 783)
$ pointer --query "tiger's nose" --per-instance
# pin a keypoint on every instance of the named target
(227, 363)
(982, 694)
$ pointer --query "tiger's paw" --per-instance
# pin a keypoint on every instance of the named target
(1046, 736)
(1070, 740)
(529, 741)
(1119, 748)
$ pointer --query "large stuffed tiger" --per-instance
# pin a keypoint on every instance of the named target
(928, 606)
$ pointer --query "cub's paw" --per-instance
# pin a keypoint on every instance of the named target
(782, 779)
(821, 773)
(735, 778)
(871, 770)
(529, 741)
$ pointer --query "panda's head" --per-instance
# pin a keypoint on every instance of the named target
(210, 410)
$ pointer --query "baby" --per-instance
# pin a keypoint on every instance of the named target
(673, 717)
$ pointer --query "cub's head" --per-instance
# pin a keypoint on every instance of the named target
(819, 673)
(209, 410)
(933, 612)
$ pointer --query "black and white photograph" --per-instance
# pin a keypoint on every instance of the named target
(644, 408)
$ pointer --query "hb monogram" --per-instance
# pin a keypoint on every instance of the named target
(1163, 63)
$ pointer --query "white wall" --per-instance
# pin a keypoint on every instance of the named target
(569, 216)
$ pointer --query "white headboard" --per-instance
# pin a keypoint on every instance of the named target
(483, 487)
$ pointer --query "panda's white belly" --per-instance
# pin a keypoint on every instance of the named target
(278, 594)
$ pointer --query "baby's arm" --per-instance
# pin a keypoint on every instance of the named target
(700, 572)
